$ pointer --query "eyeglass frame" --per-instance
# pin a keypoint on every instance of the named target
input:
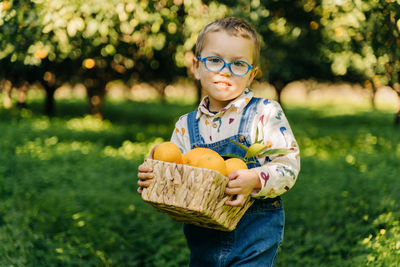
(249, 67)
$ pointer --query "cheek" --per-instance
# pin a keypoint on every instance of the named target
(244, 82)
(205, 75)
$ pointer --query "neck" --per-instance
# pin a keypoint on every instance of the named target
(215, 106)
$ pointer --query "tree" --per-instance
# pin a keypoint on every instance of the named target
(290, 39)
(362, 42)
(94, 42)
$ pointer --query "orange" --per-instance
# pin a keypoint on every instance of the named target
(41, 53)
(89, 63)
(192, 156)
(6, 5)
(213, 162)
(168, 152)
(234, 164)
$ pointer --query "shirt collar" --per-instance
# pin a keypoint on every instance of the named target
(237, 105)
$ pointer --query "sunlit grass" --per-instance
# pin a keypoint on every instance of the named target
(68, 187)
(88, 123)
(132, 150)
(45, 149)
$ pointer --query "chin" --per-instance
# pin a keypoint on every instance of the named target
(225, 99)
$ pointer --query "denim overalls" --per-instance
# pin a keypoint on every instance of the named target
(256, 239)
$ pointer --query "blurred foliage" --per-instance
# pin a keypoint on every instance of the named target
(128, 39)
(362, 38)
(93, 42)
(68, 189)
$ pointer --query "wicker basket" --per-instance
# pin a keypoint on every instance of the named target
(192, 195)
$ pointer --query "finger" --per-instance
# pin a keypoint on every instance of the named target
(140, 190)
(233, 175)
(234, 184)
(151, 155)
(232, 191)
(145, 175)
(141, 183)
(238, 202)
(144, 168)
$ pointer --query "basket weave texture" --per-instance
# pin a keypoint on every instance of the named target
(192, 195)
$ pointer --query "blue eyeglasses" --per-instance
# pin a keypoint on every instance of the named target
(216, 64)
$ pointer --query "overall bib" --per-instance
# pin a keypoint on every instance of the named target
(256, 239)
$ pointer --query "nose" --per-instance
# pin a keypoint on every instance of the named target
(225, 71)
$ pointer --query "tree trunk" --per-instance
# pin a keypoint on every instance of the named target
(160, 87)
(279, 85)
(96, 96)
(396, 87)
(96, 106)
(373, 93)
(7, 100)
(22, 91)
(49, 102)
(49, 83)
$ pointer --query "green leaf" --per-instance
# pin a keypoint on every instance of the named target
(257, 135)
(239, 144)
(276, 151)
(255, 149)
(231, 155)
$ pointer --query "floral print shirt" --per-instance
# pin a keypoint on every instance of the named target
(277, 174)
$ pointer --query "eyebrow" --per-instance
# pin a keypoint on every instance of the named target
(233, 59)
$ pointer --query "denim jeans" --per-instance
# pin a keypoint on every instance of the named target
(259, 233)
(254, 242)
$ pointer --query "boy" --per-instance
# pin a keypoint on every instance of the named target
(226, 58)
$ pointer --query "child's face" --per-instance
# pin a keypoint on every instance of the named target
(223, 87)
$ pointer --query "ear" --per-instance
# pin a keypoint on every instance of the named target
(252, 76)
(195, 68)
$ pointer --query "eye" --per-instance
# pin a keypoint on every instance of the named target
(214, 60)
(239, 64)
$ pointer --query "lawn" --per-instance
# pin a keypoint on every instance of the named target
(68, 188)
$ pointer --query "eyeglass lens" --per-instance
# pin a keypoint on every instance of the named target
(216, 64)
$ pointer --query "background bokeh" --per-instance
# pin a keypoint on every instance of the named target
(88, 87)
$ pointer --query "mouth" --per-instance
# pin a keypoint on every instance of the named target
(223, 83)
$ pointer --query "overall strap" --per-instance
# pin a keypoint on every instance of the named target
(248, 115)
(193, 128)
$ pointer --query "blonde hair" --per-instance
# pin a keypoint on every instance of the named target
(235, 27)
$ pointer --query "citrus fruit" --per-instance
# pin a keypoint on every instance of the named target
(41, 53)
(192, 156)
(212, 162)
(89, 63)
(168, 152)
(234, 164)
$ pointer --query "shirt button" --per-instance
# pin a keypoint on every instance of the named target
(215, 125)
(242, 139)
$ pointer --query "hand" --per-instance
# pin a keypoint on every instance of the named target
(145, 174)
(241, 184)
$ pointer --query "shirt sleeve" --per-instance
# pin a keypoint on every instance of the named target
(277, 173)
(180, 135)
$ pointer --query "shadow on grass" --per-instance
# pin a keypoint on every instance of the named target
(127, 120)
(80, 204)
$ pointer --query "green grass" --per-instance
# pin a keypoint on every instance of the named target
(68, 188)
